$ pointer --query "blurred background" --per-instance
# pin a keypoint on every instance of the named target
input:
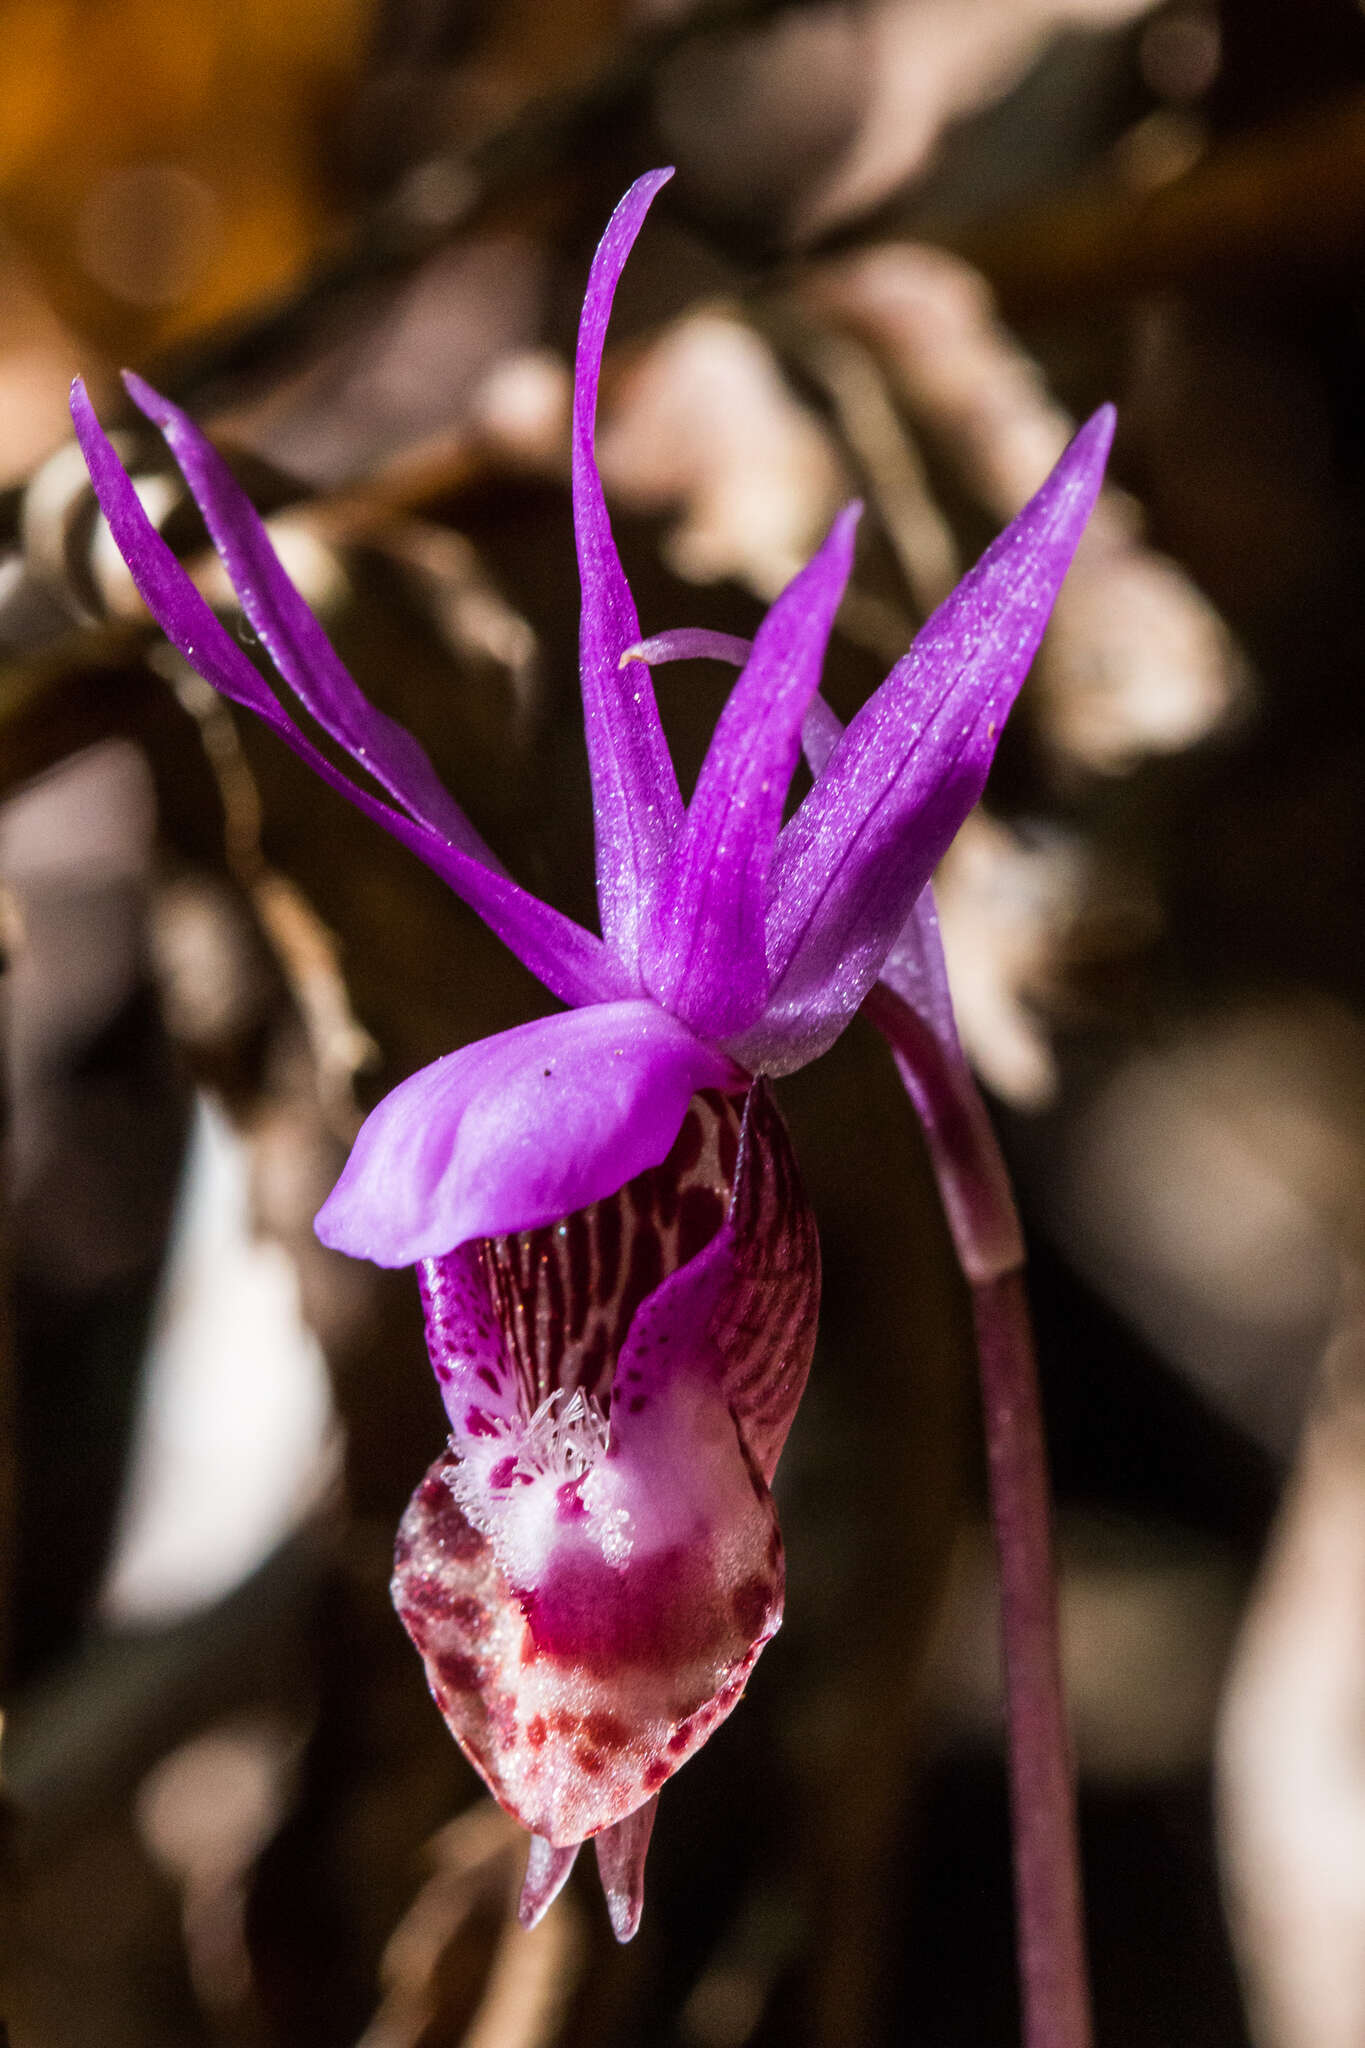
(909, 243)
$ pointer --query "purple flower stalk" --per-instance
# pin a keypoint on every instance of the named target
(618, 1266)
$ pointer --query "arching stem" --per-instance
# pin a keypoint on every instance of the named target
(1053, 1978)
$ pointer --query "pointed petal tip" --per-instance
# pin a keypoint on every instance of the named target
(146, 398)
(1090, 444)
(82, 411)
(624, 1913)
(652, 181)
(547, 1873)
(621, 1851)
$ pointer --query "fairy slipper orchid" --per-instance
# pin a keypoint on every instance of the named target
(618, 1266)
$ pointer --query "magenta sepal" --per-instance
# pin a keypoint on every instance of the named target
(571, 962)
(637, 808)
(911, 764)
(295, 641)
(708, 962)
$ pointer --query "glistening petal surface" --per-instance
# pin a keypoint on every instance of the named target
(589, 1597)
(572, 963)
(636, 803)
(517, 1130)
(910, 766)
(708, 962)
(293, 638)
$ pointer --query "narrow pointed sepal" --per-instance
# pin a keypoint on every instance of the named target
(637, 806)
(912, 763)
(294, 639)
(621, 1853)
(547, 1873)
(573, 963)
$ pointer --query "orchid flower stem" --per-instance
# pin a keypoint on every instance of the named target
(1051, 1943)
(979, 1207)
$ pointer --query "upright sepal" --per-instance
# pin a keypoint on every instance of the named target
(708, 960)
(572, 963)
(636, 804)
(295, 641)
(852, 861)
(517, 1130)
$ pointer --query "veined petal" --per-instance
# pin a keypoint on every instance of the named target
(764, 1321)
(910, 766)
(706, 960)
(571, 962)
(518, 1130)
(295, 641)
(636, 803)
(589, 1601)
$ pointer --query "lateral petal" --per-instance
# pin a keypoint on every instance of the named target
(707, 960)
(912, 763)
(572, 963)
(518, 1130)
(295, 641)
(636, 802)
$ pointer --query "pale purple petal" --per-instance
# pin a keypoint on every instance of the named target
(295, 641)
(465, 1341)
(547, 1873)
(693, 643)
(820, 735)
(621, 1852)
(636, 802)
(571, 962)
(916, 971)
(912, 763)
(913, 1009)
(707, 961)
(517, 1130)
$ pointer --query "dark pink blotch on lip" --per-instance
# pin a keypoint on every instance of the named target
(664, 1612)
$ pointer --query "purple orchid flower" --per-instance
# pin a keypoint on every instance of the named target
(618, 1266)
